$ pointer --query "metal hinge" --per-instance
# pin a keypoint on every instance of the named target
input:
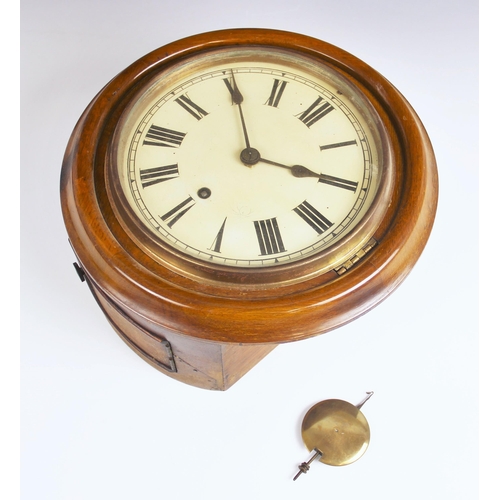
(170, 367)
(360, 254)
(79, 271)
(173, 367)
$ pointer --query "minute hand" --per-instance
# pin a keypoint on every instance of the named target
(237, 98)
(296, 170)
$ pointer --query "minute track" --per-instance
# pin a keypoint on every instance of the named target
(254, 107)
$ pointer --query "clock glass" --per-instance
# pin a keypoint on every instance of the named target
(248, 158)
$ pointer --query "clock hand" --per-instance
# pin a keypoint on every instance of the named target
(237, 97)
(249, 156)
(296, 170)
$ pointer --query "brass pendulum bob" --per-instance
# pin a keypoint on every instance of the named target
(336, 431)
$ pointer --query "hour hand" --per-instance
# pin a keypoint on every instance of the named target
(296, 170)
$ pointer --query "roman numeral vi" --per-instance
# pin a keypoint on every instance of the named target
(269, 236)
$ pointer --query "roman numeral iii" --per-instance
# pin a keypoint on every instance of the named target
(338, 182)
(338, 145)
(269, 236)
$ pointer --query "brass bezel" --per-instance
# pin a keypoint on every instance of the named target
(283, 274)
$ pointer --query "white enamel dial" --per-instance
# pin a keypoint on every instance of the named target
(249, 161)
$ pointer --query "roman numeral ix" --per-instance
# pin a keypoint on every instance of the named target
(151, 176)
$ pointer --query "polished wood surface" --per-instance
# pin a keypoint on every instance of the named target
(204, 364)
(230, 314)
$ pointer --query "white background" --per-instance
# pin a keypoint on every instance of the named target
(98, 423)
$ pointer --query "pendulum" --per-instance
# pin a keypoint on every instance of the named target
(337, 432)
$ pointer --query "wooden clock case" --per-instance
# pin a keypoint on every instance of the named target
(208, 327)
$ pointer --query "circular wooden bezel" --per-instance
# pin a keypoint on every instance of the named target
(230, 310)
(222, 277)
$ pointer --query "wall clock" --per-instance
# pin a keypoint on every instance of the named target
(243, 188)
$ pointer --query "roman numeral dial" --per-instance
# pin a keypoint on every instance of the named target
(248, 163)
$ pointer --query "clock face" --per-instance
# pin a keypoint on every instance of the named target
(248, 159)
